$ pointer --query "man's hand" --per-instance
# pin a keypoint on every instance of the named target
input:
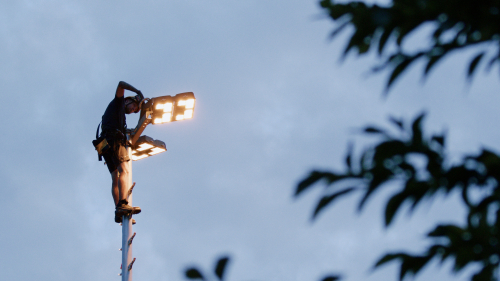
(139, 93)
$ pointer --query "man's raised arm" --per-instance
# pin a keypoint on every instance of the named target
(122, 86)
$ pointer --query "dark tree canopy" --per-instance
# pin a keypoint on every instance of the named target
(391, 161)
(457, 24)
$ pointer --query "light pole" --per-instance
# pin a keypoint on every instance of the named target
(156, 110)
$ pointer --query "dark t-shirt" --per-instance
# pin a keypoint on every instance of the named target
(114, 116)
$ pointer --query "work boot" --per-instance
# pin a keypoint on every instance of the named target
(124, 208)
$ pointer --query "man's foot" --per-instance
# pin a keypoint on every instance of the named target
(124, 208)
(119, 215)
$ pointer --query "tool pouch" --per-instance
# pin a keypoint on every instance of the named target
(100, 144)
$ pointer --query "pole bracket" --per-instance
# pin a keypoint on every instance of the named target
(131, 238)
(130, 190)
(131, 264)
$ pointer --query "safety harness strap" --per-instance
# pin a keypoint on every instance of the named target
(97, 132)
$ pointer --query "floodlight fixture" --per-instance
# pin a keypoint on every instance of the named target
(167, 109)
(164, 109)
(146, 146)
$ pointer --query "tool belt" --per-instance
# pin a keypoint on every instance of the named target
(108, 139)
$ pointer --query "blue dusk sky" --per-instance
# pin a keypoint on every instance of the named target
(273, 102)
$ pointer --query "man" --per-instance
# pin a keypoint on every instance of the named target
(113, 129)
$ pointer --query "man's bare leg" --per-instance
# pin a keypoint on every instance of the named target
(123, 187)
(122, 206)
(114, 186)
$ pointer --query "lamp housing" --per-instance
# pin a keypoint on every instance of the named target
(146, 146)
(168, 109)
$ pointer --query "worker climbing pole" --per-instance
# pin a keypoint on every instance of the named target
(120, 146)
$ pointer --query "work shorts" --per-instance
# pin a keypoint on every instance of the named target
(114, 156)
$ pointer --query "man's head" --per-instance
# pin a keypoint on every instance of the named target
(131, 105)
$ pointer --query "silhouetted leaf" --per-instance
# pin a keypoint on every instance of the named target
(392, 207)
(398, 69)
(439, 139)
(389, 257)
(331, 278)
(432, 61)
(473, 64)
(339, 29)
(397, 122)
(193, 273)
(348, 158)
(383, 39)
(374, 130)
(412, 265)
(380, 176)
(327, 199)
(491, 62)
(417, 129)
(220, 267)
(309, 181)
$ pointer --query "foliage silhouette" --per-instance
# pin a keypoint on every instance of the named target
(194, 273)
(457, 24)
(219, 270)
(392, 161)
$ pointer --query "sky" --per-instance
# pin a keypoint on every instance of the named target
(273, 102)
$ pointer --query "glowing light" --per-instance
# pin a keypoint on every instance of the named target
(158, 121)
(179, 117)
(189, 103)
(159, 106)
(181, 103)
(188, 113)
(144, 146)
(156, 150)
(167, 117)
(167, 107)
(139, 157)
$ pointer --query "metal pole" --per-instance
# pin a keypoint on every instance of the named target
(127, 229)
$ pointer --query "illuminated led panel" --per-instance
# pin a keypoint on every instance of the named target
(157, 150)
(167, 107)
(166, 117)
(188, 113)
(162, 109)
(139, 157)
(147, 147)
(184, 106)
(144, 146)
(190, 104)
